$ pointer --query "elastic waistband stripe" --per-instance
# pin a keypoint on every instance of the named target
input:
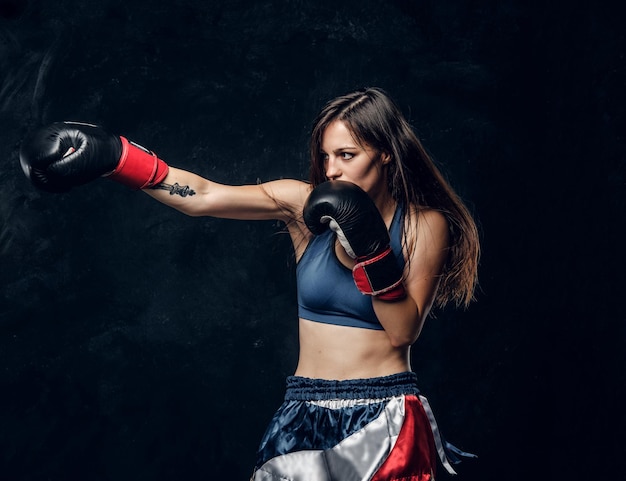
(307, 389)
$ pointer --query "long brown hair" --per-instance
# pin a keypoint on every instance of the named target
(413, 178)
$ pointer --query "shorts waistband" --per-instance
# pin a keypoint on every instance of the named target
(308, 389)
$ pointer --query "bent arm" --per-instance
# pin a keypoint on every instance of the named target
(196, 196)
(403, 320)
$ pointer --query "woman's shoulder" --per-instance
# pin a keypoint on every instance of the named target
(427, 217)
(290, 196)
(289, 191)
(427, 226)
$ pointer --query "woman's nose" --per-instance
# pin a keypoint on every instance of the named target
(332, 170)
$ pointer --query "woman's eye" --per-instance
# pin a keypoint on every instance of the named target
(346, 155)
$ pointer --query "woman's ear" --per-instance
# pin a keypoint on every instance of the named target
(385, 158)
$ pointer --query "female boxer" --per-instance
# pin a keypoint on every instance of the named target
(379, 237)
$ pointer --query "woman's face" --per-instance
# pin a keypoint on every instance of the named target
(346, 159)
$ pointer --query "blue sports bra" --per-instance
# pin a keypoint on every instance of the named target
(326, 290)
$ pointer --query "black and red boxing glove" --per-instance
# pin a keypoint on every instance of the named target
(351, 213)
(66, 154)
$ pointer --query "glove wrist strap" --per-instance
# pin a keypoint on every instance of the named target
(380, 276)
(138, 168)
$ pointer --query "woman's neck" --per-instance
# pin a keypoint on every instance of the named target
(386, 206)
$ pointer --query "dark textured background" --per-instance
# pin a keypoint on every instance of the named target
(139, 344)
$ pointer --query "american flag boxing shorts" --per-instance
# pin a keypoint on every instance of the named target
(378, 429)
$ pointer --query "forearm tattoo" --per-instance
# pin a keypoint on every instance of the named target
(176, 189)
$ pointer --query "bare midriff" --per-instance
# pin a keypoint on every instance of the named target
(328, 351)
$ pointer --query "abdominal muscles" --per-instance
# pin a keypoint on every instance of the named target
(335, 352)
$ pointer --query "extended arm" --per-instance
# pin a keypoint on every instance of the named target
(196, 196)
(63, 155)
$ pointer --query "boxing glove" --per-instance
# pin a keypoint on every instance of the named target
(66, 154)
(350, 212)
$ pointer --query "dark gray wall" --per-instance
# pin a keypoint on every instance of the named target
(136, 343)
